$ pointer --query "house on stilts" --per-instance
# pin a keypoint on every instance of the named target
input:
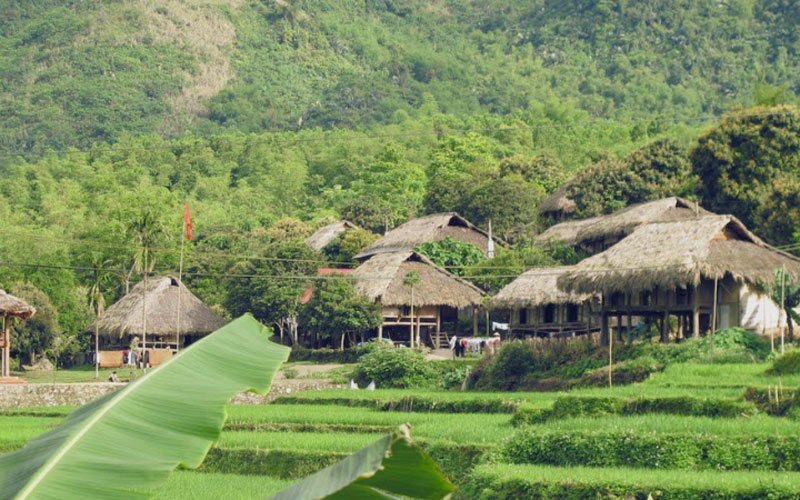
(430, 228)
(537, 307)
(11, 309)
(426, 312)
(688, 276)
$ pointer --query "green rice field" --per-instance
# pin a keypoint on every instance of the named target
(264, 448)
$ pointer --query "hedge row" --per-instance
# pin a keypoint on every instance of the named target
(326, 355)
(411, 404)
(308, 427)
(654, 450)
(455, 460)
(598, 406)
(516, 482)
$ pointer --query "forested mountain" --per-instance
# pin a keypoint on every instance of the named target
(77, 72)
(272, 117)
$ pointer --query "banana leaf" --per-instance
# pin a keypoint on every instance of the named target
(124, 444)
(392, 465)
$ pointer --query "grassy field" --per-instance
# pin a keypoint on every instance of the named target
(265, 447)
(78, 374)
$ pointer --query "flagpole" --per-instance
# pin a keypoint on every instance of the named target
(180, 286)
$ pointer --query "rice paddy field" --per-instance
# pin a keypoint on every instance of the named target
(657, 446)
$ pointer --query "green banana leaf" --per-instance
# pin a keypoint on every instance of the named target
(124, 444)
(390, 466)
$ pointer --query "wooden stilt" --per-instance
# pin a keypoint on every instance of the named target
(6, 347)
(695, 311)
(380, 331)
(474, 321)
(665, 327)
(714, 307)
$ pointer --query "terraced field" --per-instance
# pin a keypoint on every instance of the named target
(688, 433)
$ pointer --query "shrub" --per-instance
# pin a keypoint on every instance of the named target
(325, 355)
(388, 366)
(653, 450)
(290, 373)
(774, 400)
(731, 345)
(787, 364)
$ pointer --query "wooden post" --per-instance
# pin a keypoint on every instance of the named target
(6, 347)
(474, 321)
(714, 307)
(695, 311)
(604, 336)
(610, 353)
(665, 326)
(783, 306)
(619, 327)
(419, 336)
(438, 327)
(380, 331)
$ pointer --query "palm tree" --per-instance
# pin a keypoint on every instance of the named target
(147, 230)
(412, 279)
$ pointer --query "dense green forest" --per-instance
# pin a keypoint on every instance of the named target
(273, 117)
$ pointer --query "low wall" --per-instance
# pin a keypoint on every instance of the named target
(19, 395)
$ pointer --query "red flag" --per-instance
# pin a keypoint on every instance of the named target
(187, 220)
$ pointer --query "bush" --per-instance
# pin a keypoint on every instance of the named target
(774, 400)
(388, 366)
(654, 450)
(787, 364)
(290, 373)
(325, 355)
(598, 406)
(731, 345)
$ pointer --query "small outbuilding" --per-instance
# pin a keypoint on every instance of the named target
(11, 308)
(152, 314)
(539, 308)
(699, 273)
(436, 297)
(426, 229)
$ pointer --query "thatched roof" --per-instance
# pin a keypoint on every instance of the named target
(623, 222)
(14, 307)
(670, 254)
(536, 287)
(558, 202)
(323, 236)
(381, 279)
(125, 317)
(425, 229)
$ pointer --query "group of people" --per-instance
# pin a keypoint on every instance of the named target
(475, 345)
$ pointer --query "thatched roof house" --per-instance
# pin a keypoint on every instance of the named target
(537, 287)
(13, 307)
(426, 229)
(673, 254)
(125, 317)
(558, 205)
(608, 229)
(323, 236)
(381, 279)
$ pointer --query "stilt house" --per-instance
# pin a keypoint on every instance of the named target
(539, 308)
(11, 308)
(435, 299)
(688, 276)
(426, 229)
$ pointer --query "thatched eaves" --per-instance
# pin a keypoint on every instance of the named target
(323, 236)
(673, 254)
(536, 287)
(427, 229)
(623, 222)
(14, 307)
(381, 279)
(125, 317)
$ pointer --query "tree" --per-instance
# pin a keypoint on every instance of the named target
(746, 163)
(349, 244)
(509, 203)
(35, 335)
(453, 255)
(545, 170)
(336, 309)
(271, 287)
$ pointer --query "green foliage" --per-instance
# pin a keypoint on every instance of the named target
(67, 462)
(658, 170)
(388, 366)
(749, 165)
(619, 448)
(787, 364)
(37, 334)
(335, 309)
(348, 244)
(452, 254)
(785, 292)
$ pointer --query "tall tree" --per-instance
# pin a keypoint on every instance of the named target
(336, 309)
